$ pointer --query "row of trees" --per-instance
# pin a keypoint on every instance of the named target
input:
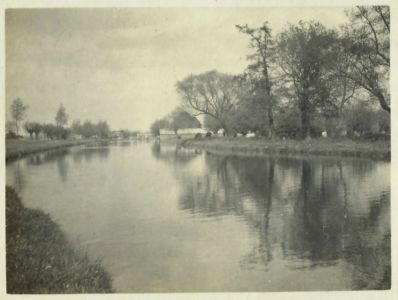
(49, 130)
(58, 130)
(88, 129)
(307, 79)
(18, 111)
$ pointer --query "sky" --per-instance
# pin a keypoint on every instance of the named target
(121, 64)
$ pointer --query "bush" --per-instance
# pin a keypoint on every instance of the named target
(384, 122)
(359, 119)
(11, 135)
(376, 136)
(288, 123)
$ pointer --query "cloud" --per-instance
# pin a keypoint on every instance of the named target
(122, 64)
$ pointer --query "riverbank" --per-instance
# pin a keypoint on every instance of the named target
(16, 148)
(320, 147)
(39, 259)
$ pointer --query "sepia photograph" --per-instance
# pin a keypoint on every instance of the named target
(197, 149)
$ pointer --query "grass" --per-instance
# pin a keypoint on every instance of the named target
(322, 147)
(16, 148)
(39, 259)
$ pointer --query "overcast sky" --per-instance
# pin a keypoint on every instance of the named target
(121, 65)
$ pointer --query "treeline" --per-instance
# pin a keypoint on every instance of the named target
(306, 81)
(88, 129)
(59, 130)
(51, 131)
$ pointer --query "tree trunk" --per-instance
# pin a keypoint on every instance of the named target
(270, 122)
(226, 131)
(383, 103)
(305, 118)
(224, 126)
(269, 105)
(268, 208)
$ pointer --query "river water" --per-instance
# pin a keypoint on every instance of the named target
(167, 219)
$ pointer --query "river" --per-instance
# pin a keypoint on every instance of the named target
(167, 219)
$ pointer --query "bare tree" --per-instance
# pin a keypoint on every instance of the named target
(368, 42)
(211, 93)
(18, 110)
(342, 90)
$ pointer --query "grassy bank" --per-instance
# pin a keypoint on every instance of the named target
(21, 147)
(40, 260)
(322, 147)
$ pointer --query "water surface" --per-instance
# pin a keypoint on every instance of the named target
(167, 219)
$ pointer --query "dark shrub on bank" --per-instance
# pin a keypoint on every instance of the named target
(370, 136)
(40, 260)
(12, 135)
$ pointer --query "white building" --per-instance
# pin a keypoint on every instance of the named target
(185, 131)
(144, 135)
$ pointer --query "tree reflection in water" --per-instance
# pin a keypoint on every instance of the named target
(19, 179)
(90, 153)
(61, 157)
(303, 209)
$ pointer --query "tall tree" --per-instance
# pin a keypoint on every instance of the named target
(211, 93)
(306, 55)
(61, 118)
(18, 110)
(342, 92)
(367, 40)
(251, 112)
(261, 41)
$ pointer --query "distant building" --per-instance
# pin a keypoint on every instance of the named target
(116, 134)
(144, 135)
(75, 136)
(186, 131)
